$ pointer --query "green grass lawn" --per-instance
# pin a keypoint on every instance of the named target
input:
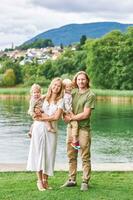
(103, 186)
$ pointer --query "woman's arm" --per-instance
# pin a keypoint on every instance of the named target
(56, 116)
(84, 115)
(53, 117)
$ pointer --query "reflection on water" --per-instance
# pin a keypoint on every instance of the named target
(112, 129)
(112, 132)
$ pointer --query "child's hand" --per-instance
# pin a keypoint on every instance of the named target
(71, 114)
(38, 114)
(67, 118)
(37, 111)
(43, 97)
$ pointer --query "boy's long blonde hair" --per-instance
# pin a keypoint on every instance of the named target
(49, 92)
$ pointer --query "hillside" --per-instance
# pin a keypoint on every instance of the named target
(71, 33)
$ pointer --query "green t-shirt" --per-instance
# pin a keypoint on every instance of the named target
(79, 102)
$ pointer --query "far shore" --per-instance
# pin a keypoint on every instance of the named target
(4, 167)
(99, 92)
(24, 91)
(112, 99)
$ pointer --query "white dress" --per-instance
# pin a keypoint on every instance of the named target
(67, 102)
(43, 143)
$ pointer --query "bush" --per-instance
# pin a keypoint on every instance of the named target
(9, 78)
(41, 80)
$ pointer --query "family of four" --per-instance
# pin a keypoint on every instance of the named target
(75, 105)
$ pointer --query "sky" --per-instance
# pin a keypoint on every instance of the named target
(21, 20)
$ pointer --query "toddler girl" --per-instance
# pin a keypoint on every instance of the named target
(68, 109)
(35, 107)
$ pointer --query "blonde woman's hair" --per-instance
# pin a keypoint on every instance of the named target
(75, 78)
(49, 92)
(35, 86)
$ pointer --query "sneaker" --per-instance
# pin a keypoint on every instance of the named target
(75, 145)
(69, 183)
(84, 187)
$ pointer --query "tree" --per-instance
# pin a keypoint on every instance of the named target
(29, 73)
(61, 46)
(9, 78)
(46, 70)
(110, 60)
(37, 43)
(83, 40)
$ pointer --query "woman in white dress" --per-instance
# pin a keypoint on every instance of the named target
(43, 143)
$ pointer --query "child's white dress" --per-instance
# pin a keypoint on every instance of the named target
(43, 143)
(67, 102)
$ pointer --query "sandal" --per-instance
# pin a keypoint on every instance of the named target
(46, 186)
(40, 185)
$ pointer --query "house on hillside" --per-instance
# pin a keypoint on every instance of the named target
(25, 61)
(55, 55)
(42, 59)
(2, 53)
(16, 54)
(39, 56)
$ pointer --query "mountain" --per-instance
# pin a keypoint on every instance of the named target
(72, 33)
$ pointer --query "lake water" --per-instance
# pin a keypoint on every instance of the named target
(112, 133)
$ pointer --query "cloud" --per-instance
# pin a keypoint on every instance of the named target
(21, 20)
(86, 6)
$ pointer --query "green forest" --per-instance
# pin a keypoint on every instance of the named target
(107, 60)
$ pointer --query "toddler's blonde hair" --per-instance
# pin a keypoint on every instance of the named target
(35, 86)
(67, 81)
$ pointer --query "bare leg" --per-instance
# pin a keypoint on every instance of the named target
(74, 139)
(50, 127)
(39, 181)
(45, 181)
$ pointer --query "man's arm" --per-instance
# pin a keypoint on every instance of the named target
(84, 115)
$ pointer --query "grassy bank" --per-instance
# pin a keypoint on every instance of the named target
(113, 93)
(103, 186)
(16, 91)
(98, 92)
